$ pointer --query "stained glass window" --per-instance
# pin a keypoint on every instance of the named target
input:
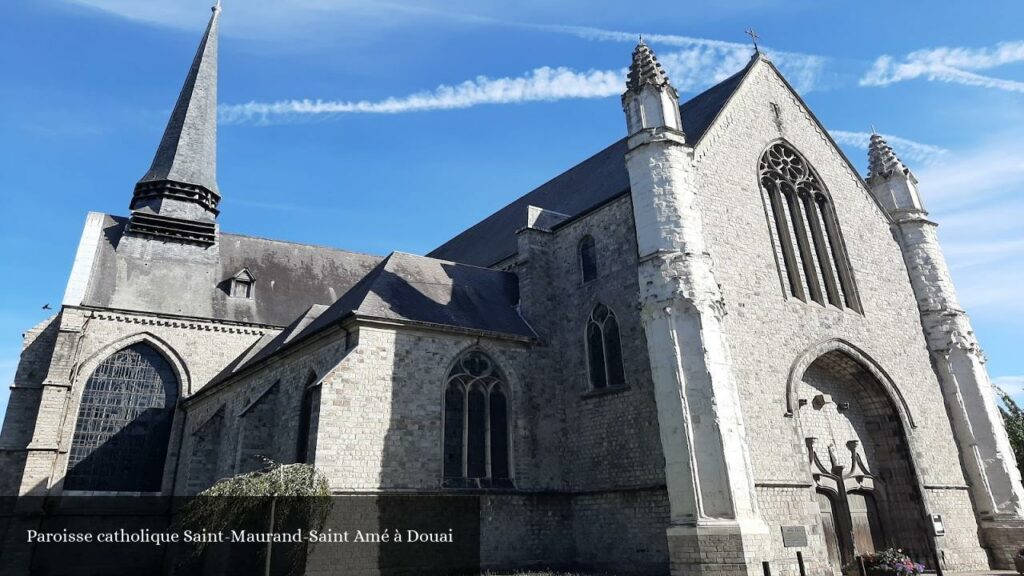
(588, 259)
(124, 423)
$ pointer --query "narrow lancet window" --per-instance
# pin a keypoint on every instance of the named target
(588, 259)
(476, 424)
(305, 441)
(604, 350)
(812, 260)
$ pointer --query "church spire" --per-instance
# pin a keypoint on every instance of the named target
(177, 198)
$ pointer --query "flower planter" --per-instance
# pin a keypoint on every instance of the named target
(890, 562)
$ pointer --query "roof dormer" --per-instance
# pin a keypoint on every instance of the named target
(242, 284)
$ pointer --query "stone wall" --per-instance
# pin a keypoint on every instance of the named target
(768, 332)
(612, 437)
(59, 358)
(257, 414)
(23, 404)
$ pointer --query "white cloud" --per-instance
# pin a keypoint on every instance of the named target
(977, 197)
(1012, 385)
(706, 61)
(702, 63)
(906, 149)
(945, 64)
(541, 84)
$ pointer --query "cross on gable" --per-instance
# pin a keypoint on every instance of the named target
(753, 38)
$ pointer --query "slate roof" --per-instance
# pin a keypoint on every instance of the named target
(188, 149)
(409, 289)
(591, 183)
(414, 289)
(271, 343)
(194, 282)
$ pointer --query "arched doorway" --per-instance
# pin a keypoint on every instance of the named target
(867, 493)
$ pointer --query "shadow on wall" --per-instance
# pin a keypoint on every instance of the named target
(23, 408)
(412, 454)
(131, 460)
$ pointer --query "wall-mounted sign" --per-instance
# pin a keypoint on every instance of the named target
(937, 528)
(794, 536)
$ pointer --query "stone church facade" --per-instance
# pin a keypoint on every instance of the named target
(711, 345)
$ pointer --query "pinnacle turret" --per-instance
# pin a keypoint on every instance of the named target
(650, 102)
(177, 198)
(882, 161)
(891, 182)
(645, 69)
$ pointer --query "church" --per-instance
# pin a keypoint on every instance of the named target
(713, 347)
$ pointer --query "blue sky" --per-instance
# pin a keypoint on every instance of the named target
(422, 117)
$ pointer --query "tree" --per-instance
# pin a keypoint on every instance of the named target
(1013, 419)
(276, 495)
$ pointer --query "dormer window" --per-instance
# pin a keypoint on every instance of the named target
(242, 284)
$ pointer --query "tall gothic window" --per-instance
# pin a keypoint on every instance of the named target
(124, 423)
(588, 258)
(812, 259)
(604, 350)
(476, 424)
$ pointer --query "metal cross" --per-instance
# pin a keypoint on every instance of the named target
(753, 37)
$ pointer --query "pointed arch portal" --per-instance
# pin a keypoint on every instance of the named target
(868, 497)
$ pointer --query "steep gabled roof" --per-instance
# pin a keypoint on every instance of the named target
(591, 183)
(406, 288)
(411, 290)
(269, 343)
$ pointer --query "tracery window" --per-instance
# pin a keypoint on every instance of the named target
(588, 258)
(124, 423)
(812, 259)
(604, 349)
(476, 424)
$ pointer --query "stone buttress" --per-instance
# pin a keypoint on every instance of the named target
(985, 450)
(715, 526)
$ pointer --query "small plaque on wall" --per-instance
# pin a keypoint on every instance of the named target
(794, 536)
(938, 528)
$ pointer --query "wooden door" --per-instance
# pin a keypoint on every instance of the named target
(864, 522)
(830, 532)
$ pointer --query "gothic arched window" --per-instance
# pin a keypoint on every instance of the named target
(305, 441)
(604, 350)
(476, 424)
(124, 423)
(809, 247)
(588, 258)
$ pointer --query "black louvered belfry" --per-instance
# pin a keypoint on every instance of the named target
(124, 423)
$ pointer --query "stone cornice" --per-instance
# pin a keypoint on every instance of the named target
(176, 322)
